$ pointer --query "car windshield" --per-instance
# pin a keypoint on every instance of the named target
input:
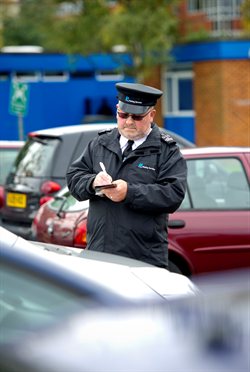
(70, 204)
(34, 160)
(28, 302)
(7, 158)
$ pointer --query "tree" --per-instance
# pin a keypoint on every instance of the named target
(245, 9)
(27, 27)
(146, 28)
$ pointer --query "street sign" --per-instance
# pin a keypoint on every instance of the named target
(19, 97)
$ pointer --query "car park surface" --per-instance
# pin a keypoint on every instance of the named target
(8, 153)
(40, 169)
(209, 232)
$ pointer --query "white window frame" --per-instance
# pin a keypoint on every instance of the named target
(34, 77)
(56, 78)
(100, 76)
(221, 15)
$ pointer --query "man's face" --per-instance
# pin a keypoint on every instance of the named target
(131, 127)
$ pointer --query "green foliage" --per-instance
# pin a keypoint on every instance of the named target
(147, 28)
(27, 28)
(245, 9)
(200, 35)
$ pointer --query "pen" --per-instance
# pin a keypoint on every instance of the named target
(103, 167)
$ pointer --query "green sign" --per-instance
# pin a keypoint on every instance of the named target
(19, 97)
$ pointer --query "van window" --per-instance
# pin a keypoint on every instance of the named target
(35, 159)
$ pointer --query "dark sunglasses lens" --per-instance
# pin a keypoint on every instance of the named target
(137, 117)
(124, 115)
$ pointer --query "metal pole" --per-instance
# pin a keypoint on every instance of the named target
(20, 127)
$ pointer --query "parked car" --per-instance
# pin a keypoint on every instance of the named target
(40, 281)
(62, 220)
(209, 232)
(40, 168)
(8, 153)
(206, 333)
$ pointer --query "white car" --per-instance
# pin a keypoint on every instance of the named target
(38, 284)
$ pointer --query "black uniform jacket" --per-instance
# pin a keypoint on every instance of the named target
(156, 175)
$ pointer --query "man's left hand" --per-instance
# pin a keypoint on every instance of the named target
(118, 193)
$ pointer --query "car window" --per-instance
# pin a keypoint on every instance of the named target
(27, 302)
(216, 183)
(35, 158)
(68, 203)
(7, 157)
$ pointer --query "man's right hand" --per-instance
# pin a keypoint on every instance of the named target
(102, 178)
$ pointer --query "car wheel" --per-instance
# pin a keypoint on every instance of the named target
(173, 267)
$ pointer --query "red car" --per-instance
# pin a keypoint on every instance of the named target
(8, 153)
(209, 232)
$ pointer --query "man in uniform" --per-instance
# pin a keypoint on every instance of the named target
(146, 177)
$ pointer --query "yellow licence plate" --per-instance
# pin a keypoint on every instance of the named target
(16, 200)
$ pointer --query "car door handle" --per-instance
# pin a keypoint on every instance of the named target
(176, 224)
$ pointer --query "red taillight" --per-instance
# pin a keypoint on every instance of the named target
(80, 236)
(1, 196)
(45, 199)
(50, 187)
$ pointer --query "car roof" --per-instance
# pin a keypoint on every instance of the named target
(69, 129)
(125, 282)
(215, 150)
(159, 280)
(11, 144)
(79, 128)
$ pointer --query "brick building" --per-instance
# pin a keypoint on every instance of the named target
(222, 102)
(207, 85)
(207, 92)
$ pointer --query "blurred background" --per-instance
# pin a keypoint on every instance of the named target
(60, 60)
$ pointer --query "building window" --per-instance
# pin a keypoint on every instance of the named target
(221, 13)
(26, 76)
(194, 5)
(55, 76)
(179, 93)
(108, 75)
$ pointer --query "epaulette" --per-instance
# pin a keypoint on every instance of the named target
(105, 131)
(167, 138)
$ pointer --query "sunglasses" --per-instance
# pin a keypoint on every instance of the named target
(124, 115)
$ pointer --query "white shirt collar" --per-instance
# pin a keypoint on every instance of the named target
(124, 141)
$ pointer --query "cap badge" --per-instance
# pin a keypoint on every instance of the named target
(127, 99)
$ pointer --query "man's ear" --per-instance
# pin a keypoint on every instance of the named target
(152, 114)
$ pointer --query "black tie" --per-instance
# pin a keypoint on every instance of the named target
(128, 149)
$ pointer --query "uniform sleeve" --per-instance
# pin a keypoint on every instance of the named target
(167, 193)
(80, 176)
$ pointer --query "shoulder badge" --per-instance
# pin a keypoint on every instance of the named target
(105, 131)
(167, 138)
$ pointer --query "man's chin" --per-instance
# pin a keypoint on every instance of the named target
(129, 133)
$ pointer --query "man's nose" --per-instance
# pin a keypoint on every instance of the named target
(129, 119)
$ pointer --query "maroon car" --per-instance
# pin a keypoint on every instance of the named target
(62, 221)
(209, 232)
